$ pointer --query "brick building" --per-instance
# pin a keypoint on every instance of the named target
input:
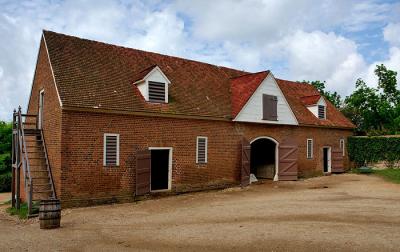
(119, 122)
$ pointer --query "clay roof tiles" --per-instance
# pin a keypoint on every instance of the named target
(92, 74)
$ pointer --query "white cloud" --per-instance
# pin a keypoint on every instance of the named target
(391, 33)
(297, 39)
(322, 56)
(392, 62)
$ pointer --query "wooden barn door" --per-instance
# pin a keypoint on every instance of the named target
(245, 169)
(337, 161)
(288, 151)
(143, 166)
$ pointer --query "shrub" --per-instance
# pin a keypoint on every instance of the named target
(5, 182)
(364, 150)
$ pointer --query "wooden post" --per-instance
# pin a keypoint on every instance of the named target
(18, 171)
(13, 160)
(30, 197)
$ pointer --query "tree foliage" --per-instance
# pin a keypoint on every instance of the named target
(333, 97)
(375, 111)
(5, 156)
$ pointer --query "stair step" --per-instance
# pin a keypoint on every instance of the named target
(42, 191)
(32, 141)
(37, 158)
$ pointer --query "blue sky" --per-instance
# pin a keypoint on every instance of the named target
(333, 40)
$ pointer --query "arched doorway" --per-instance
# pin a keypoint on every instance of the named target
(264, 158)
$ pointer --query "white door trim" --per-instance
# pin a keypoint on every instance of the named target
(329, 158)
(276, 177)
(40, 109)
(169, 168)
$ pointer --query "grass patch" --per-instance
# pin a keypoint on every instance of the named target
(392, 175)
(22, 212)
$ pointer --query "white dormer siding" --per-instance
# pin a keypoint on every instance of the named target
(252, 111)
(155, 75)
(314, 108)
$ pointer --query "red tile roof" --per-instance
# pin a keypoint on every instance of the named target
(243, 87)
(310, 100)
(143, 73)
(92, 74)
(294, 91)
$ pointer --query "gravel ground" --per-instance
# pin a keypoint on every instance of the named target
(337, 213)
(4, 197)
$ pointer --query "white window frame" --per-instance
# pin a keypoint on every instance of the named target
(197, 150)
(105, 148)
(310, 155)
(342, 146)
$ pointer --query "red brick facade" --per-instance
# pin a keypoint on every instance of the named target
(43, 80)
(74, 141)
(86, 181)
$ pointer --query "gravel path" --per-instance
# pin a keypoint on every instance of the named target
(337, 213)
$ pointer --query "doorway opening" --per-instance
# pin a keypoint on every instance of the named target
(263, 158)
(327, 159)
(161, 159)
(40, 112)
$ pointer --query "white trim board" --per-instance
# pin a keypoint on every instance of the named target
(52, 72)
(169, 168)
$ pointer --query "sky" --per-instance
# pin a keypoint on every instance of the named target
(337, 41)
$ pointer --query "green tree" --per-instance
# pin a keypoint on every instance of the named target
(333, 97)
(5, 156)
(375, 111)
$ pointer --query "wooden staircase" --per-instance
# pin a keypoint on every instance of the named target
(30, 154)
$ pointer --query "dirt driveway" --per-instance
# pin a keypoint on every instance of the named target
(337, 213)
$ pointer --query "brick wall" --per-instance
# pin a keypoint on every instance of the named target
(43, 79)
(86, 181)
(75, 147)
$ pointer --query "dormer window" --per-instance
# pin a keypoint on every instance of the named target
(153, 85)
(321, 111)
(316, 105)
(157, 92)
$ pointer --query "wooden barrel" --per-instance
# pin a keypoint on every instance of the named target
(50, 214)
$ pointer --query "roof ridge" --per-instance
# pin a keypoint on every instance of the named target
(264, 71)
(140, 50)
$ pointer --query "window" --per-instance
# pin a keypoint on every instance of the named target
(201, 150)
(157, 92)
(342, 146)
(310, 148)
(111, 150)
(321, 111)
(270, 103)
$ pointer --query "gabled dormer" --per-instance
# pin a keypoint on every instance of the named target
(258, 98)
(153, 84)
(315, 104)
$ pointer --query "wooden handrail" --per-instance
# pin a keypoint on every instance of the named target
(25, 161)
(48, 165)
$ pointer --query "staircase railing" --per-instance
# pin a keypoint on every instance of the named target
(54, 195)
(21, 159)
